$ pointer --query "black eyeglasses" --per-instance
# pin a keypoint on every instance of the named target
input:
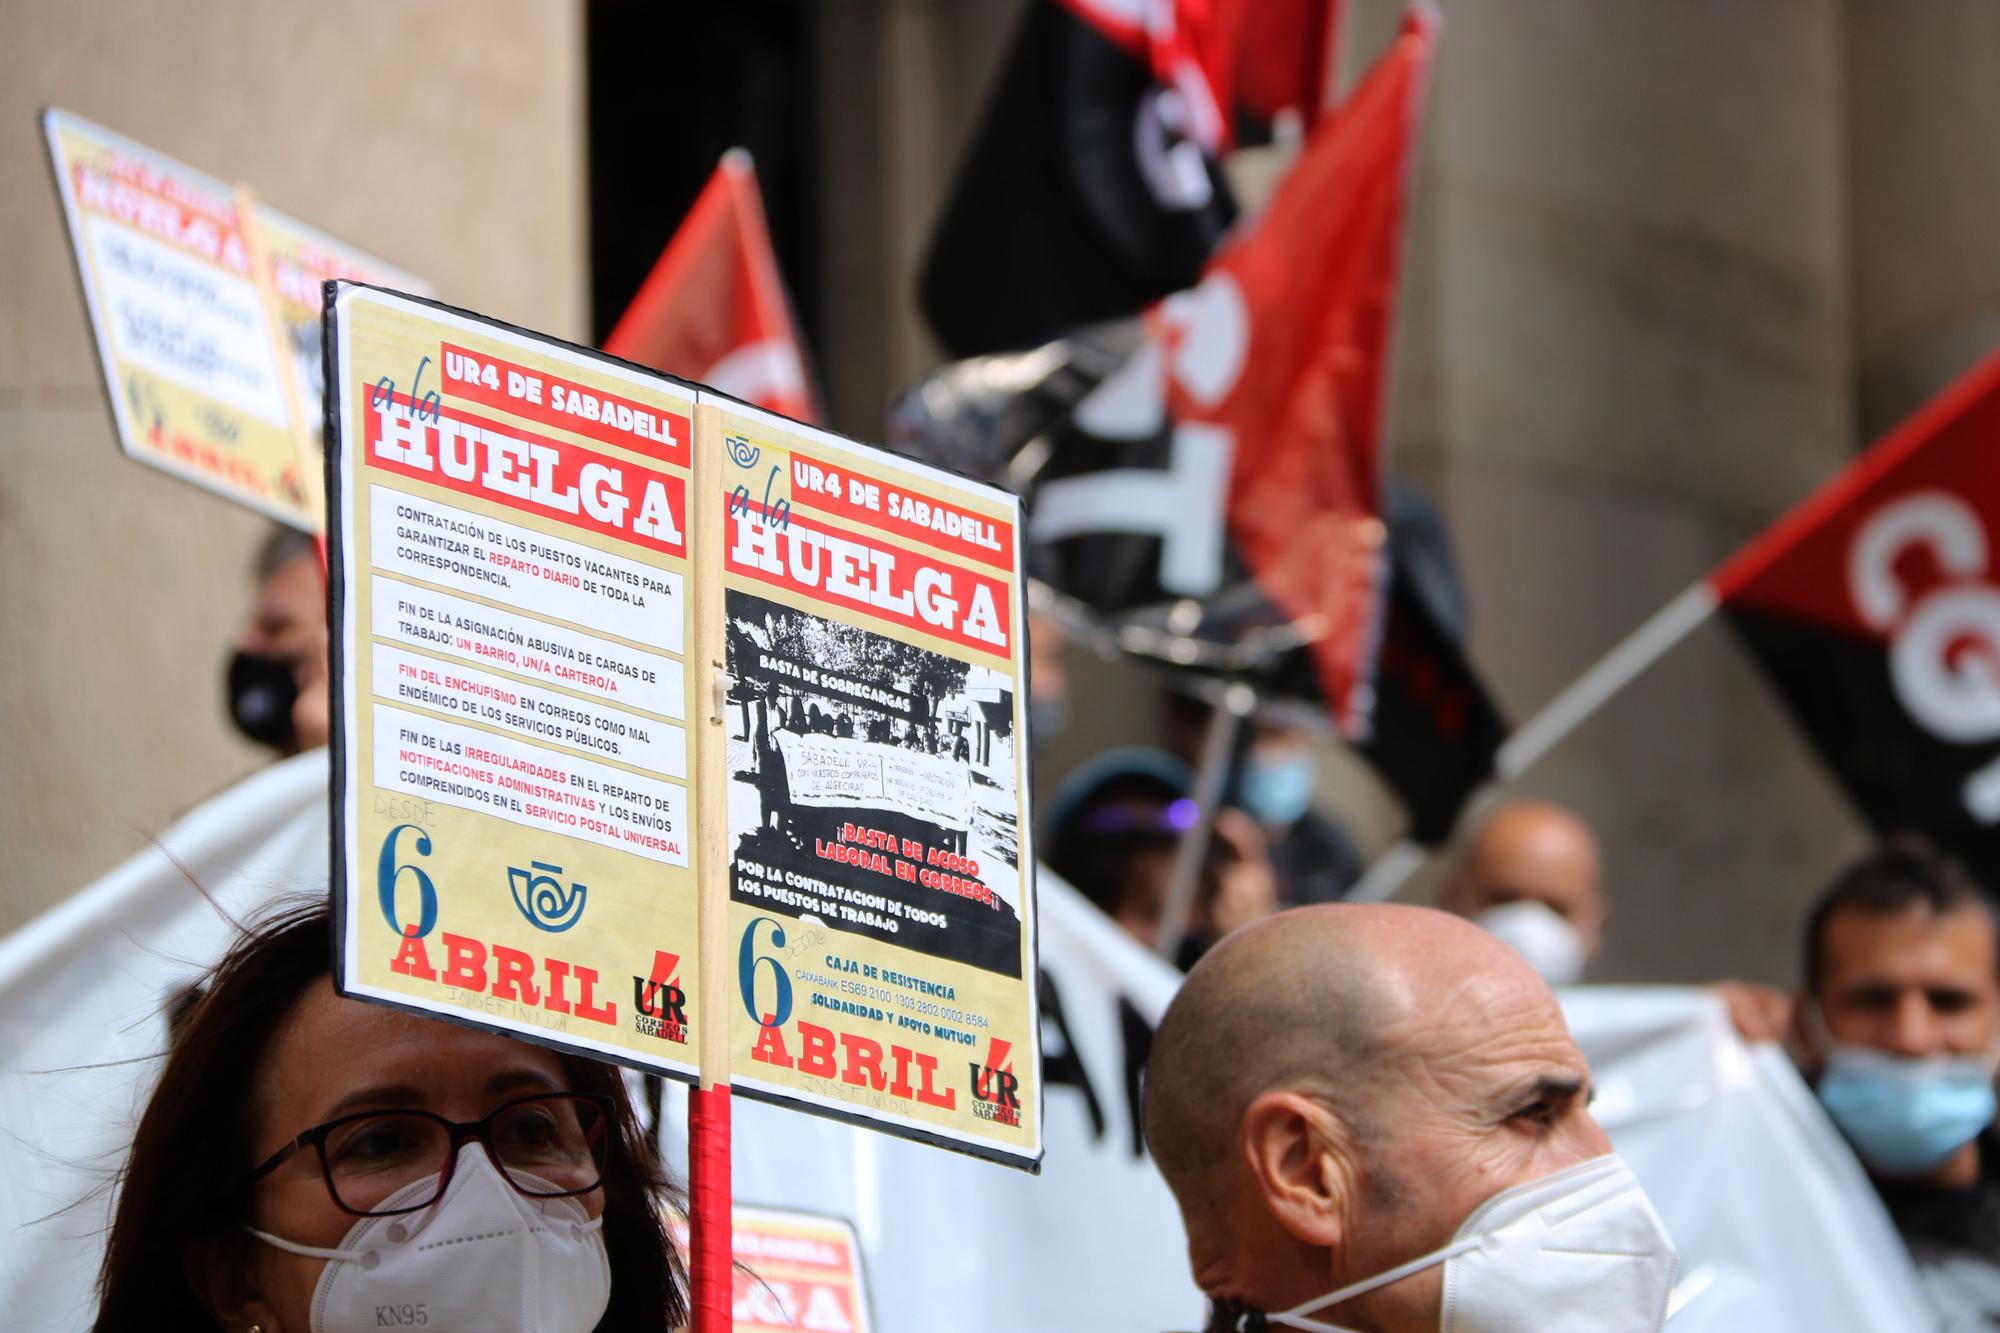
(548, 1146)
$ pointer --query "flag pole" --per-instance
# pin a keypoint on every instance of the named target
(710, 1194)
(305, 434)
(1558, 718)
(1611, 673)
(1211, 779)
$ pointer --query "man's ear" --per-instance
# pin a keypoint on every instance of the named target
(222, 1272)
(1302, 1162)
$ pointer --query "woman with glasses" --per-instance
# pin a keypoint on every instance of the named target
(312, 1164)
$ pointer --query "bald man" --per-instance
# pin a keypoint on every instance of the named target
(1374, 1119)
(1530, 875)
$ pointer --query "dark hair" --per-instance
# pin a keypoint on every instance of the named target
(1098, 860)
(281, 546)
(1904, 872)
(1089, 841)
(187, 1178)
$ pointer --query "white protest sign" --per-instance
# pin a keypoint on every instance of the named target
(1771, 1215)
(211, 363)
(835, 771)
(512, 613)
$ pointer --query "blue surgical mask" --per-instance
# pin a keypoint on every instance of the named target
(1278, 789)
(1904, 1115)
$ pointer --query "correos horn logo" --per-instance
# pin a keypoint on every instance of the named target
(541, 897)
(1944, 647)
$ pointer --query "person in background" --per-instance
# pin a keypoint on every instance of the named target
(1530, 874)
(1373, 1117)
(309, 1162)
(1112, 832)
(1898, 1032)
(1048, 677)
(277, 677)
(1315, 859)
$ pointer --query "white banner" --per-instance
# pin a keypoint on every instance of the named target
(83, 997)
(841, 771)
(1777, 1227)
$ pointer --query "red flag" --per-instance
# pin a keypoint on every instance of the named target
(1284, 56)
(1269, 55)
(1281, 352)
(714, 308)
(1874, 608)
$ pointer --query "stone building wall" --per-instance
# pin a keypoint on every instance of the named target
(445, 137)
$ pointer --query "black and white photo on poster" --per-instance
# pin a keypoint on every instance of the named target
(872, 785)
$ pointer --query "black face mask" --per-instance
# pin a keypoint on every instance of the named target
(261, 694)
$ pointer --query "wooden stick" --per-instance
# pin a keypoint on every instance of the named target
(305, 433)
(1578, 701)
(1211, 784)
(709, 1192)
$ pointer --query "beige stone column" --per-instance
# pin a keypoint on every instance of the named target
(1633, 352)
(1923, 116)
(445, 137)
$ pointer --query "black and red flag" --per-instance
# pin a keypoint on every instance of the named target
(1873, 609)
(1242, 439)
(1215, 502)
(1434, 731)
(1093, 185)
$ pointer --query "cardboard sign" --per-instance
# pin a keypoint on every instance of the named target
(513, 813)
(794, 1272)
(835, 771)
(879, 858)
(564, 590)
(300, 261)
(212, 368)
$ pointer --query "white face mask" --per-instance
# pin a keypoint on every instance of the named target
(1581, 1251)
(483, 1256)
(1536, 931)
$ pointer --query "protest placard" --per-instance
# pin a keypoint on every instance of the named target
(299, 261)
(792, 1271)
(637, 684)
(212, 366)
(565, 641)
(797, 1271)
(879, 857)
(509, 579)
(302, 260)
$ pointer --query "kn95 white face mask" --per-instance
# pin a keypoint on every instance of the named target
(1580, 1251)
(1540, 934)
(484, 1256)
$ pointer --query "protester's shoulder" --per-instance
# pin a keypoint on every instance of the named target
(1938, 1223)
(1988, 1190)
(1989, 1178)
